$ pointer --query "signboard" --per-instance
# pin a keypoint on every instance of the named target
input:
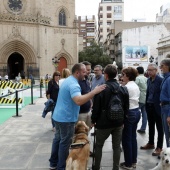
(136, 53)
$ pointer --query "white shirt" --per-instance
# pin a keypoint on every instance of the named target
(61, 81)
(134, 94)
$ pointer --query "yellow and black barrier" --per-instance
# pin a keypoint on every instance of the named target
(8, 89)
(8, 101)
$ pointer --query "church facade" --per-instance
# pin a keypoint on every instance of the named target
(37, 37)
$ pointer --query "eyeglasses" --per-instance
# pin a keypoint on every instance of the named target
(151, 69)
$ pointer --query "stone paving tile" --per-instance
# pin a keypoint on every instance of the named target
(25, 143)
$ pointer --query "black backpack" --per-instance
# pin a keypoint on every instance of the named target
(115, 111)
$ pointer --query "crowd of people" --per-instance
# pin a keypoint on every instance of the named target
(80, 96)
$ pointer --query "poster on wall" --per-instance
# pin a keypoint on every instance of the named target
(136, 53)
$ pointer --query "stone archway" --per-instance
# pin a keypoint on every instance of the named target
(20, 47)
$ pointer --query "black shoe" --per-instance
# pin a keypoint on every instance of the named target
(141, 131)
(91, 154)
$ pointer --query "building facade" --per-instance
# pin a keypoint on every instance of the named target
(35, 35)
(108, 12)
(139, 50)
(87, 31)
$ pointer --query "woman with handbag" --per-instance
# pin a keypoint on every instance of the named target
(52, 92)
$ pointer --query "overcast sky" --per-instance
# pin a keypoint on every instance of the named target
(132, 8)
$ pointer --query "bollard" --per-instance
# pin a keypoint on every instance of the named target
(41, 84)
(16, 96)
(46, 84)
(31, 92)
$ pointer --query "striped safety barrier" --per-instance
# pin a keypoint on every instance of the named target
(9, 87)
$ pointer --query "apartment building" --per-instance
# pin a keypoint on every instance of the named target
(108, 12)
(164, 15)
(164, 42)
(87, 31)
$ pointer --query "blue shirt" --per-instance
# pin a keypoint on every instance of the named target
(165, 88)
(97, 81)
(66, 110)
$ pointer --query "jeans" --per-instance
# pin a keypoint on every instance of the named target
(101, 136)
(52, 121)
(144, 116)
(154, 118)
(129, 141)
(61, 144)
(165, 110)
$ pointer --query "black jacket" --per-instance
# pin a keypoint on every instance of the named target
(101, 102)
(53, 89)
(156, 95)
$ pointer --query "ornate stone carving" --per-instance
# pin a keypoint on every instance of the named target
(16, 32)
(15, 6)
(63, 42)
(39, 19)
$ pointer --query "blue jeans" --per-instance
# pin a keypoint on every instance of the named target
(52, 121)
(144, 116)
(61, 144)
(165, 110)
(129, 141)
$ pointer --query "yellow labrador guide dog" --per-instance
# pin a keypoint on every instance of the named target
(80, 149)
(164, 163)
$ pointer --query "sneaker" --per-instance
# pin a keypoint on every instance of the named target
(147, 146)
(122, 165)
(157, 152)
(141, 131)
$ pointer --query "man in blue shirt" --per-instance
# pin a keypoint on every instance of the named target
(165, 97)
(66, 114)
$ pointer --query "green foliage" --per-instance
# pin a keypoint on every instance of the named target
(94, 55)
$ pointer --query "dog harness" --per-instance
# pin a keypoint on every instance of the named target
(77, 145)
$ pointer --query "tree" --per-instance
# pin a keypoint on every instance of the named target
(94, 55)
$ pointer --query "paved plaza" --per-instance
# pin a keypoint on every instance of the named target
(25, 143)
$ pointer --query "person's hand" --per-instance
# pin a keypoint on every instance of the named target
(168, 121)
(100, 88)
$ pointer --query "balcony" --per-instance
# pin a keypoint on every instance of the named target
(118, 52)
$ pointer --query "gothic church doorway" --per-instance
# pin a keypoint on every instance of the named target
(15, 65)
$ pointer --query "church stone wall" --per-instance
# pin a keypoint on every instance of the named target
(38, 27)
